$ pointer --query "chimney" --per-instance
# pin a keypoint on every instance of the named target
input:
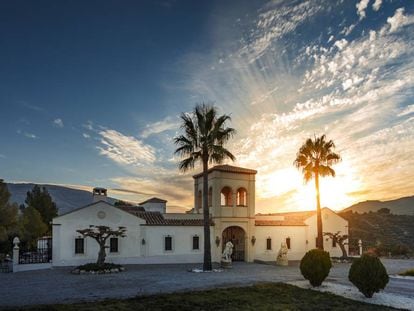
(99, 194)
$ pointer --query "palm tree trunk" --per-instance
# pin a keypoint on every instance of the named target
(206, 220)
(319, 239)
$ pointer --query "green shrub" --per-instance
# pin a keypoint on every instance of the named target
(96, 267)
(315, 266)
(368, 274)
(408, 273)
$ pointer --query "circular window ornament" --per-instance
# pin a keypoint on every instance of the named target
(101, 215)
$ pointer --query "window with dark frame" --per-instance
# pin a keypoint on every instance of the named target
(288, 243)
(196, 242)
(113, 245)
(168, 243)
(79, 246)
(268, 243)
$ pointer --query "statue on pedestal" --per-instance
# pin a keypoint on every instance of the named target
(226, 256)
(282, 259)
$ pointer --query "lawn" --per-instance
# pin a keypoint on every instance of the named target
(266, 296)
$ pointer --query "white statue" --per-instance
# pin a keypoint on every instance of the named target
(228, 250)
(282, 259)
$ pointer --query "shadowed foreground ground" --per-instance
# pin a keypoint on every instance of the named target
(265, 296)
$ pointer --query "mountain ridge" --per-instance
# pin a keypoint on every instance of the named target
(400, 206)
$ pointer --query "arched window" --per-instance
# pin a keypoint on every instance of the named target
(199, 200)
(226, 199)
(210, 196)
(241, 197)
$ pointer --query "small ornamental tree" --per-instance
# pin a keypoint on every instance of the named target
(339, 239)
(101, 234)
(315, 266)
(368, 274)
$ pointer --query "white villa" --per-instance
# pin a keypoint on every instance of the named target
(156, 236)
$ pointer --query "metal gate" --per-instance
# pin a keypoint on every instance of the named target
(236, 236)
(41, 254)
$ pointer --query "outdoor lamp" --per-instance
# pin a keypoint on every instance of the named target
(217, 241)
(143, 241)
(253, 240)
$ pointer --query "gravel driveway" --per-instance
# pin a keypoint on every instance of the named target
(59, 286)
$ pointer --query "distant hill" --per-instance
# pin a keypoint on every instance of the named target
(66, 198)
(402, 206)
(386, 232)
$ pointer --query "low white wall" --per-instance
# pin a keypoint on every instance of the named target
(31, 267)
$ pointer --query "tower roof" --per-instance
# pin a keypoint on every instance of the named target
(229, 169)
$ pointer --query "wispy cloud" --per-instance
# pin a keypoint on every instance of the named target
(58, 123)
(27, 134)
(361, 7)
(399, 20)
(377, 5)
(167, 124)
(352, 89)
(125, 150)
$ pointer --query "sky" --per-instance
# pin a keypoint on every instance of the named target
(91, 93)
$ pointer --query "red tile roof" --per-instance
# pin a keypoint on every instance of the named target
(157, 219)
(229, 169)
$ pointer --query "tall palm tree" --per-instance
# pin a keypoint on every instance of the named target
(203, 141)
(315, 158)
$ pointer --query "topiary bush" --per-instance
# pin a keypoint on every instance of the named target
(315, 266)
(368, 274)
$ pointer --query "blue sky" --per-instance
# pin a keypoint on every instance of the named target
(91, 91)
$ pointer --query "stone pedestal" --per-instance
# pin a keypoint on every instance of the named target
(226, 264)
(282, 261)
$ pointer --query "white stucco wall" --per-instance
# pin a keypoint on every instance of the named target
(331, 222)
(64, 234)
(182, 244)
(278, 234)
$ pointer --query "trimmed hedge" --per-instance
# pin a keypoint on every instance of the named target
(96, 267)
(315, 266)
(368, 274)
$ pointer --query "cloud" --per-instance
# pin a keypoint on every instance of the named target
(27, 134)
(89, 126)
(399, 20)
(58, 123)
(176, 189)
(169, 123)
(2, 156)
(125, 150)
(361, 7)
(31, 106)
(279, 19)
(85, 135)
(406, 111)
(377, 5)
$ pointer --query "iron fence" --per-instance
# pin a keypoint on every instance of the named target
(42, 254)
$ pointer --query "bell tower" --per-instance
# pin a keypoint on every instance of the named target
(231, 198)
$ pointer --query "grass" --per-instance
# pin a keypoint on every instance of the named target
(409, 272)
(266, 296)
